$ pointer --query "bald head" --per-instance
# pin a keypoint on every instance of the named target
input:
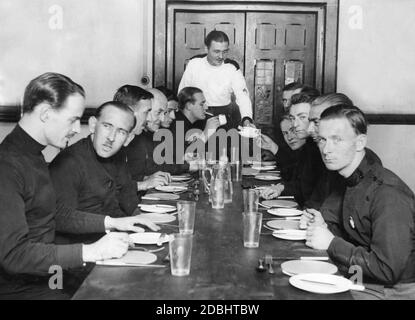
(158, 110)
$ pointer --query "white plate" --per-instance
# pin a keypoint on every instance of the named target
(180, 178)
(285, 212)
(161, 196)
(280, 203)
(157, 208)
(249, 172)
(148, 238)
(171, 188)
(283, 224)
(293, 267)
(179, 184)
(267, 177)
(158, 217)
(134, 257)
(291, 234)
(263, 163)
(323, 283)
(263, 168)
(249, 132)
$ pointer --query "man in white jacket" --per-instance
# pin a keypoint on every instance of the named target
(219, 78)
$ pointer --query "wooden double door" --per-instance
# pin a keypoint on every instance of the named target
(274, 42)
(272, 49)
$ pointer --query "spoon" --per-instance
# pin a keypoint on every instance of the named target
(260, 267)
(268, 261)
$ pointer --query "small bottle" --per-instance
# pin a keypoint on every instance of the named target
(227, 179)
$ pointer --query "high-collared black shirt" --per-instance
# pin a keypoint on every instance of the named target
(28, 211)
(329, 181)
(306, 173)
(141, 159)
(87, 182)
(372, 215)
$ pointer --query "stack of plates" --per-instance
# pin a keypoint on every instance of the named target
(181, 178)
(171, 188)
(263, 163)
(263, 168)
(268, 176)
(294, 267)
(161, 196)
(157, 208)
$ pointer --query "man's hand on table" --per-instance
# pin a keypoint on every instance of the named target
(318, 237)
(112, 245)
(156, 179)
(128, 224)
(272, 191)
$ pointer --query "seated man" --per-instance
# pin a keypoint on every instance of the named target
(368, 220)
(294, 143)
(294, 88)
(92, 175)
(329, 179)
(309, 168)
(172, 106)
(140, 101)
(141, 162)
(52, 107)
(191, 114)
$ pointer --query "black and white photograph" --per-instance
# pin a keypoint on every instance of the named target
(207, 157)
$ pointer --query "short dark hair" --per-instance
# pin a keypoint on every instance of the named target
(305, 97)
(186, 95)
(293, 86)
(332, 99)
(217, 36)
(119, 105)
(131, 95)
(285, 117)
(52, 88)
(170, 95)
(354, 115)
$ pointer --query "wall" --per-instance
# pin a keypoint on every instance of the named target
(376, 69)
(101, 44)
(376, 54)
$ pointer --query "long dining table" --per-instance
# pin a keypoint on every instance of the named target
(221, 267)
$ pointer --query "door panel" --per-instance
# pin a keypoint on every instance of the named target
(191, 28)
(273, 40)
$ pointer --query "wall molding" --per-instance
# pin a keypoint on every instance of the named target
(11, 113)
